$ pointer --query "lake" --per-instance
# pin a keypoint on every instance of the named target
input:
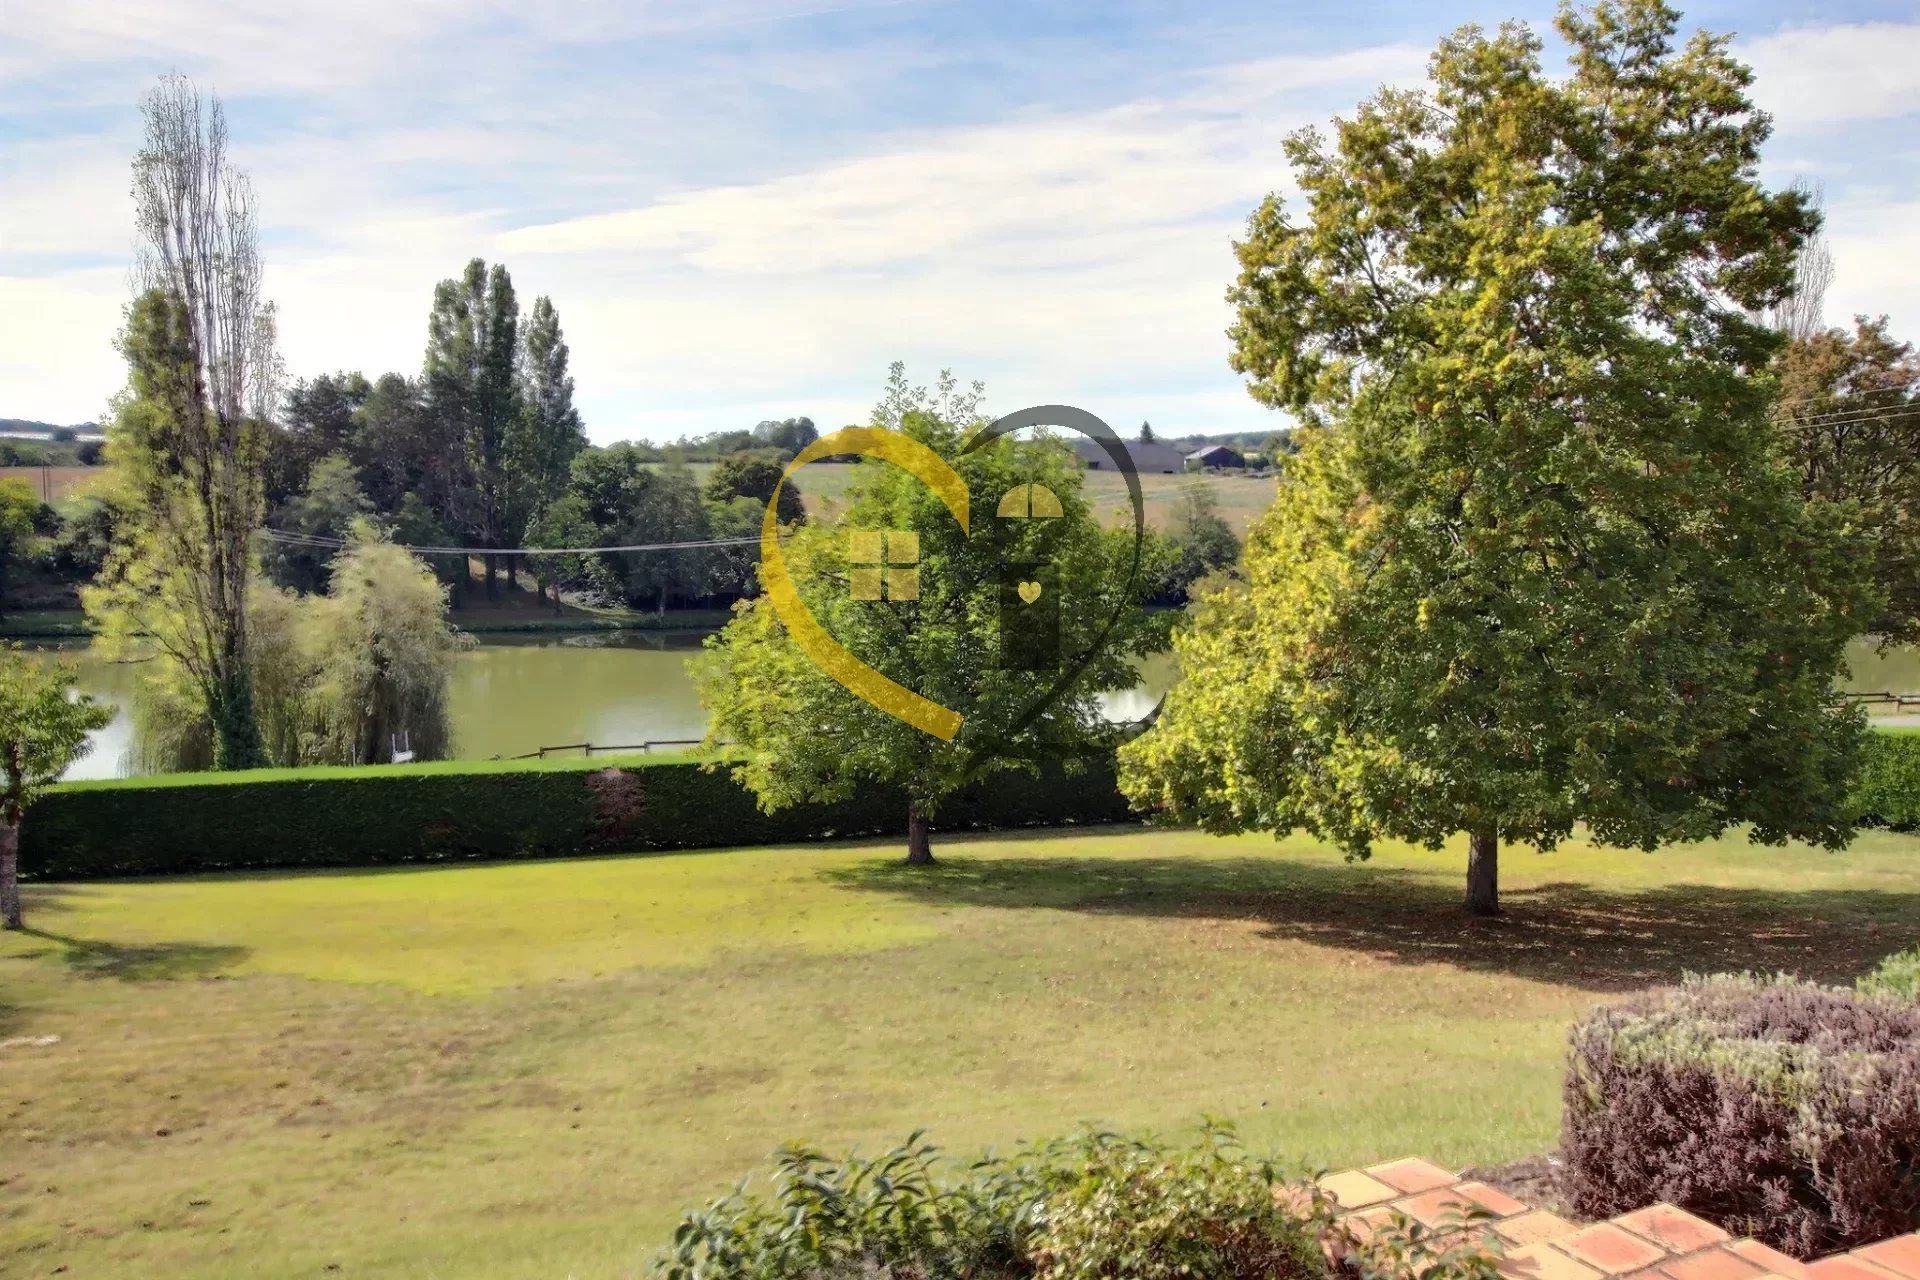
(513, 694)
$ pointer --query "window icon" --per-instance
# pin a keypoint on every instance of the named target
(1029, 501)
(886, 564)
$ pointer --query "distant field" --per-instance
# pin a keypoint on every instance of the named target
(1241, 498)
(50, 484)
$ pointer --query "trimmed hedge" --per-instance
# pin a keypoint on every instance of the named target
(333, 817)
(1886, 790)
(1776, 1108)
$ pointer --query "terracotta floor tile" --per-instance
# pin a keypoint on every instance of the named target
(1492, 1199)
(1900, 1254)
(1673, 1229)
(1770, 1259)
(1356, 1190)
(1713, 1264)
(1411, 1176)
(1847, 1266)
(1436, 1208)
(1609, 1249)
(1533, 1228)
(1544, 1262)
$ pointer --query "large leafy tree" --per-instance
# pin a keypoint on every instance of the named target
(807, 738)
(1539, 560)
(43, 729)
(1850, 405)
(473, 387)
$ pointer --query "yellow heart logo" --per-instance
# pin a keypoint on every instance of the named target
(1029, 591)
(832, 657)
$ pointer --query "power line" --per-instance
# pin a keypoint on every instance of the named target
(318, 542)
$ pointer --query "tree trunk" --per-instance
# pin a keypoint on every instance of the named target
(10, 875)
(556, 599)
(919, 848)
(493, 580)
(1483, 872)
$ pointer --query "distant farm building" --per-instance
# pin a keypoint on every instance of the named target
(1216, 455)
(1148, 459)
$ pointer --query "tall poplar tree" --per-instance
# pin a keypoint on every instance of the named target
(1539, 561)
(187, 442)
(473, 385)
(547, 433)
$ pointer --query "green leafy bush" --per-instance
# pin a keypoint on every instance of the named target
(1777, 1108)
(1206, 1212)
(1897, 975)
(367, 816)
(1886, 786)
(1095, 1207)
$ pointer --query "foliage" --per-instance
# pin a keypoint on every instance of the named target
(1851, 409)
(1776, 1108)
(544, 439)
(1538, 561)
(786, 435)
(176, 577)
(1207, 1212)
(471, 384)
(564, 522)
(43, 729)
(334, 676)
(1897, 975)
(1095, 1207)
(327, 508)
(381, 651)
(18, 511)
(475, 809)
(1885, 790)
(1202, 540)
(748, 476)
(187, 442)
(809, 739)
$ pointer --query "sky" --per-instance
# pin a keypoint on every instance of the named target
(745, 209)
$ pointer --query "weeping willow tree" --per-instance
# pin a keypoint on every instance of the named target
(333, 678)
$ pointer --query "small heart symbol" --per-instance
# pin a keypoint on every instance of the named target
(1029, 591)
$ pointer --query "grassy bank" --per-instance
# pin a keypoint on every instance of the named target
(527, 1069)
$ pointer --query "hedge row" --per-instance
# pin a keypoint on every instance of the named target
(456, 809)
(396, 814)
(1886, 791)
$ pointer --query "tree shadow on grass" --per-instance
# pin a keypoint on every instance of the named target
(1575, 935)
(145, 962)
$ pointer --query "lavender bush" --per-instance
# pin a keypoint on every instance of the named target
(1782, 1110)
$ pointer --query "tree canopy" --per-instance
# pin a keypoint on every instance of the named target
(932, 622)
(43, 729)
(1539, 560)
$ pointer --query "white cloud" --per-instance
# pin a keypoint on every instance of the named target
(1820, 77)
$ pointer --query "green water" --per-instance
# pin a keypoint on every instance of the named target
(516, 694)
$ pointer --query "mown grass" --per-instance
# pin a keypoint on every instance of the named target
(527, 1069)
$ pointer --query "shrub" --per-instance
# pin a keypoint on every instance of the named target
(1886, 785)
(1206, 1212)
(373, 815)
(1779, 1109)
(1898, 975)
(1098, 1207)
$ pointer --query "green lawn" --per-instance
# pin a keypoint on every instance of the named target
(528, 1069)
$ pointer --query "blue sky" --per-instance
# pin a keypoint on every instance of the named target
(747, 208)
